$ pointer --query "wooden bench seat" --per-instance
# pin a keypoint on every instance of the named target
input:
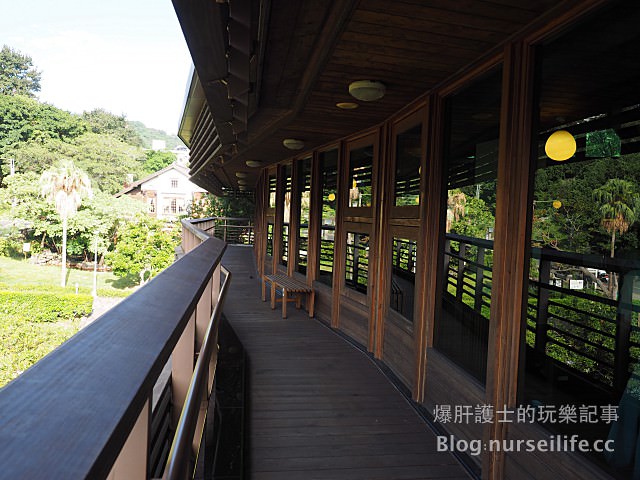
(292, 291)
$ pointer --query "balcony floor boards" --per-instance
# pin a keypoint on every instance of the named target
(318, 407)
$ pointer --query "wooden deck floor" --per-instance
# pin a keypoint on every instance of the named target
(319, 407)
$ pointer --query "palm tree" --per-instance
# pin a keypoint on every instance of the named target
(619, 206)
(65, 186)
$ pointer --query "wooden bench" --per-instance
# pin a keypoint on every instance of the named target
(292, 291)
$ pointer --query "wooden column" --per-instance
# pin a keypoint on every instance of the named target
(294, 219)
(512, 242)
(430, 241)
(315, 219)
(339, 235)
(379, 264)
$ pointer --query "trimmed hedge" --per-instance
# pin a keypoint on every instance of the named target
(23, 343)
(45, 307)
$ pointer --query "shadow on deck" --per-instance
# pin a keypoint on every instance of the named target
(318, 407)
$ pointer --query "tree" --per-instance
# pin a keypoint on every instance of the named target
(65, 185)
(102, 122)
(157, 160)
(143, 250)
(18, 76)
(619, 205)
(106, 159)
(229, 206)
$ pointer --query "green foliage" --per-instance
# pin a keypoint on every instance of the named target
(476, 220)
(105, 123)
(34, 323)
(149, 134)
(18, 76)
(231, 206)
(23, 342)
(27, 120)
(101, 216)
(106, 159)
(143, 250)
(45, 307)
(157, 160)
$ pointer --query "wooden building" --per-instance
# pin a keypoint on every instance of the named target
(398, 154)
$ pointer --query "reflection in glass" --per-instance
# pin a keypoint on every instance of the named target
(270, 239)
(403, 276)
(304, 203)
(273, 182)
(408, 154)
(582, 344)
(357, 261)
(329, 185)
(286, 217)
(462, 329)
(360, 176)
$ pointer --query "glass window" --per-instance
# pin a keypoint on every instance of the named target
(408, 154)
(304, 203)
(471, 156)
(360, 176)
(270, 239)
(582, 345)
(174, 183)
(329, 185)
(286, 217)
(403, 276)
(357, 261)
(273, 182)
(173, 205)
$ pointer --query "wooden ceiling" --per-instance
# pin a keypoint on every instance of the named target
(303, 56)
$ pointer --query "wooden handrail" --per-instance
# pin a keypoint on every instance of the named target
(179, 463)
(71, 414)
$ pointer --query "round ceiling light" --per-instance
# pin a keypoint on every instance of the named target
(293, 143)
(560, 146)
(241, 181)
(253, 163)
(242, 174)
(347, 105)
(367, 90)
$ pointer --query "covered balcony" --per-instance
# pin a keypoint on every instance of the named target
(457, 182)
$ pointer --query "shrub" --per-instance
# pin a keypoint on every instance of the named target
(45, 307)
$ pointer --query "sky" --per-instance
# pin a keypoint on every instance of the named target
(127, 57)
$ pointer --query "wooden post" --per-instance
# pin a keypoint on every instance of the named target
(512, 242)
(542, 313)
(131, 463)
(462, 252)
(623, 332)
(479, 279)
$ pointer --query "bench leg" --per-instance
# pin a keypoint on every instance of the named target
(273, 295)
(264, 283)
(284, 303)
(298, 300)
(312, 303)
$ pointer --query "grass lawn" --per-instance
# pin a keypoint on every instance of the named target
(16, 274)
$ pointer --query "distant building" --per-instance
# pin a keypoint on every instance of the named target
(167, 192)
(182, 155)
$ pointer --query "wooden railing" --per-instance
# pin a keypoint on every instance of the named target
(86, 409)
(577, 326)
(233, 231)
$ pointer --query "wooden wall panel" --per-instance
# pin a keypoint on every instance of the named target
(398, 352)
(354, 320)
(449, 385)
